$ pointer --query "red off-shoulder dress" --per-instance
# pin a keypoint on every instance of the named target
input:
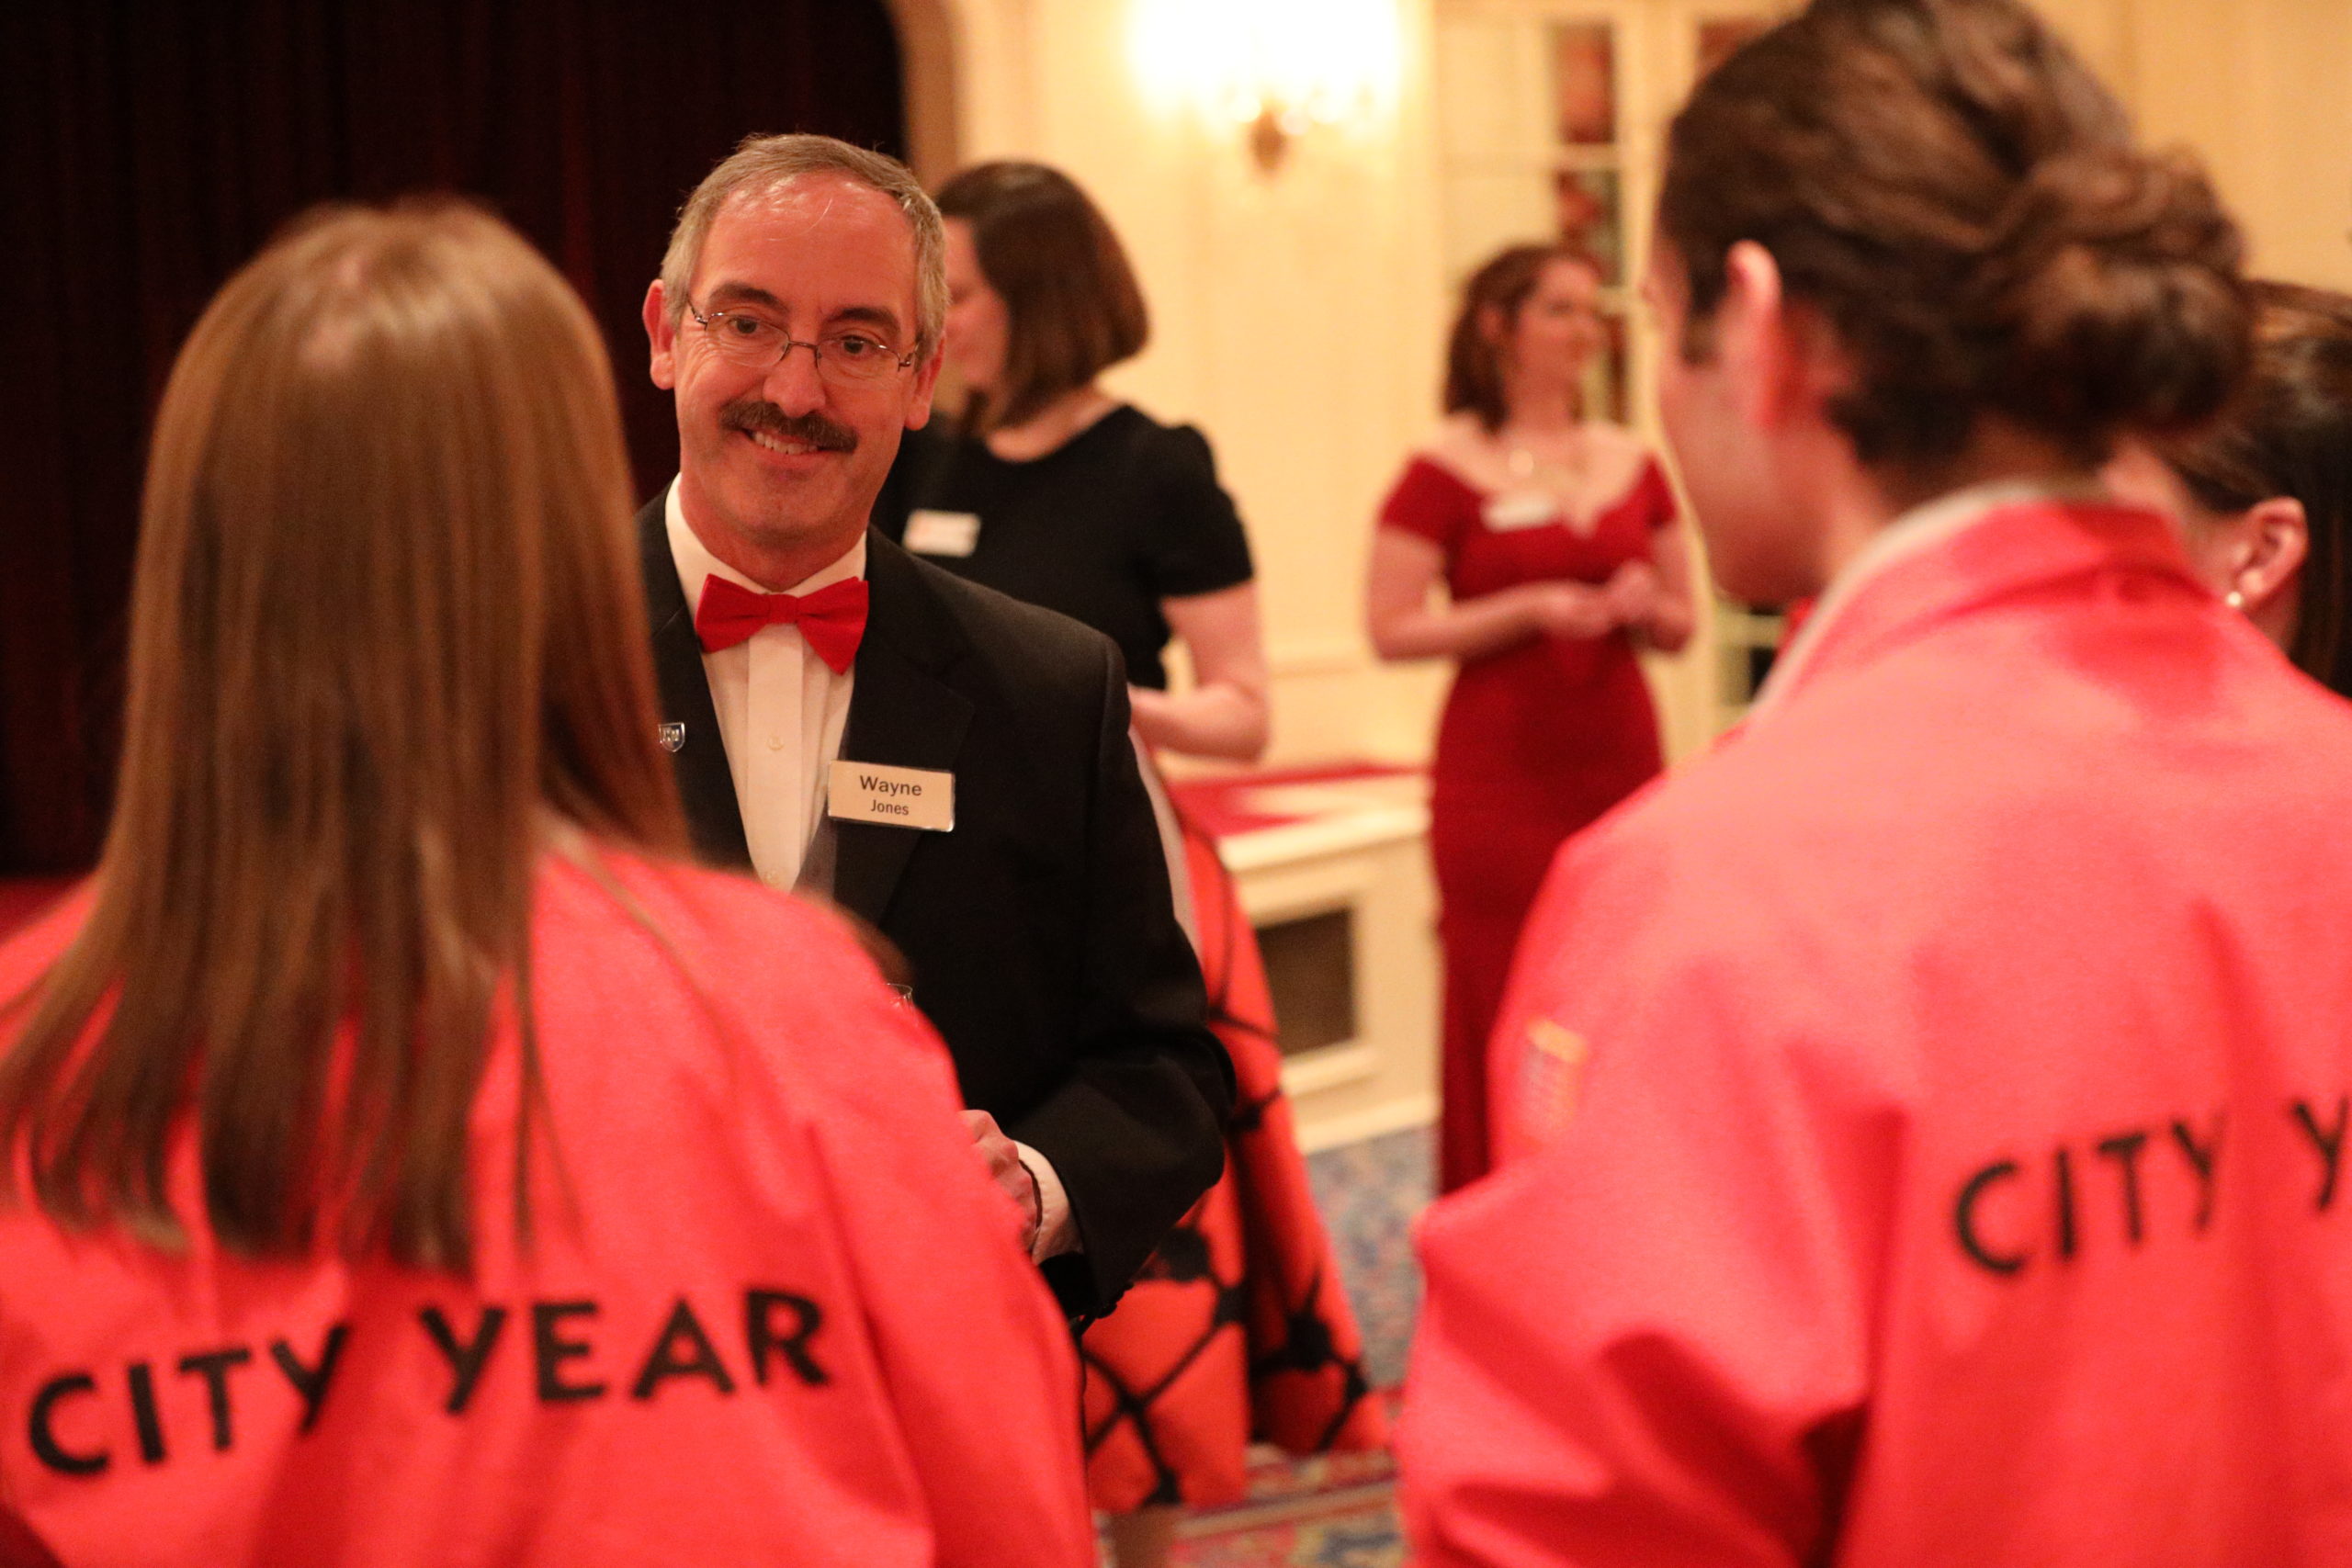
(1537, 741)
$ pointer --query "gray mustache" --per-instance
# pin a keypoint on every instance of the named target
(756, 416)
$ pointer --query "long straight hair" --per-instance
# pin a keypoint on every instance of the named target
(385, 634)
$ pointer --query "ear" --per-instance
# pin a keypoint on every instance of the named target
(662, 334)
(926, 382)
(1767, 355)
(2274, 540)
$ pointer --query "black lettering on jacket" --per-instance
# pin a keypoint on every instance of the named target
(143, 1413)
(2328, 1144)
(214, 1366)
(2124, 1150)
(465, 1361)
(759, 1333)
(660, 1362)
(46, 1448)
(1963, 1221)
(2200, 1158)
(551, 1351)
(310, 1383)
(2064, 1164)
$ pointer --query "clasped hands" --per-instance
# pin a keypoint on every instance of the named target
(1579, 610)
(1009, 1171)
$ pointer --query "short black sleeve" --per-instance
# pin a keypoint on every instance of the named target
(1124, 515)
(1195, 543)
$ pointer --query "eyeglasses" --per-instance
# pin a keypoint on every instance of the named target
(850, 356)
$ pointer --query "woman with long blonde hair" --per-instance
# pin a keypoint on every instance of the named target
(407, 1161)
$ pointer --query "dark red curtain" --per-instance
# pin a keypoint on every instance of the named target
(148, 147)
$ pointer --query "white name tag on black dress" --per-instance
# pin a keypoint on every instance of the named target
(933, 533)
(903, 797)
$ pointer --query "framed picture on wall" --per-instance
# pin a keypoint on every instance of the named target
(1589, 213)
(1583, 83)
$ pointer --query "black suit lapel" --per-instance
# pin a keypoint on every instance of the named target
(902, 712)
(706, 786)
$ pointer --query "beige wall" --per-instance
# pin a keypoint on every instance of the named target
(1297, 315)
(2263, 90)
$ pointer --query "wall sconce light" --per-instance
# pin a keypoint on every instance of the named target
(1272, 125)
(1278, 68)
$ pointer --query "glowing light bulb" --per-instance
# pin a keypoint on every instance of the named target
(1280, 67)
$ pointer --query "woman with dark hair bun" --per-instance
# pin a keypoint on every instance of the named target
(1054, 491)
(2266, 491)
(1554, 536)
(1921, 1116)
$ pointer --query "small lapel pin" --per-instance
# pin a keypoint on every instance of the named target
(673, 737)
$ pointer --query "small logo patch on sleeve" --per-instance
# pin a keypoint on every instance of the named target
(1551, 1075)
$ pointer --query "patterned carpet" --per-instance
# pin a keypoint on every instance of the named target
(1323, 1513)
(1338, 1512)
(1370, 1193)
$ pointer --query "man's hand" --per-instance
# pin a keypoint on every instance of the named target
(1004, 1165)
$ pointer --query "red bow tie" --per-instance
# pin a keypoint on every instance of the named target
(833, 618)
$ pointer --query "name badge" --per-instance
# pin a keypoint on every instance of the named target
(903, 797)
(1526, 509)
(933, 533)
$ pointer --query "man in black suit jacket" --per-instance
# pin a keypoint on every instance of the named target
(1039, 926)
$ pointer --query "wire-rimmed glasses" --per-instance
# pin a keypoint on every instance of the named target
(852, 355)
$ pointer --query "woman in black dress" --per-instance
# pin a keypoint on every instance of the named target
(1050, 489)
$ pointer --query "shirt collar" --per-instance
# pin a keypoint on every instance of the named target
(1919, 531)
(696, 565)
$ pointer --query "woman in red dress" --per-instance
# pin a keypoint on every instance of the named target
(1556, 539)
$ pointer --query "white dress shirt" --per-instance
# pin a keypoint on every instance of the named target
(781, 712)
(781, 708)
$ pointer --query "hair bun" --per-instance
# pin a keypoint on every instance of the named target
(2113, 275)
(1962, 200)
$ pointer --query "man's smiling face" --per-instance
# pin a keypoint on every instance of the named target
(778, 463)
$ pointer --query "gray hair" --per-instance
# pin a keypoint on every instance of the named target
(762, 164)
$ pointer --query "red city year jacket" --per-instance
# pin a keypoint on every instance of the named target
(1929, 1110)
(775, 1312)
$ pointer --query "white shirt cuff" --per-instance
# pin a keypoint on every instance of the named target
(1055, 1234)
